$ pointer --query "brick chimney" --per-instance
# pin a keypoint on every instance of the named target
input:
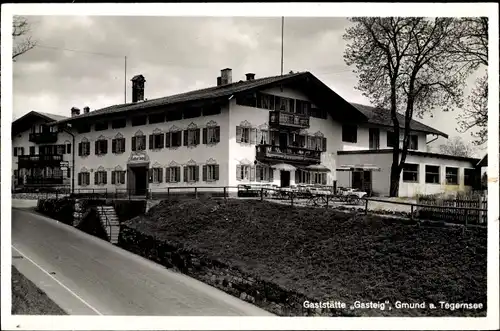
(86, 110)
(138, 88)
(250, 76)
(226, 76)
(75, 112)
(218, 81)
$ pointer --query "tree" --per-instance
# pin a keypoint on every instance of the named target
(471, 49)
(457, 147)
(403, 64)
(22, 41)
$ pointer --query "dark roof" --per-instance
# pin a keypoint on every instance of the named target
(342, 109)
(26, 121)
(383, 117)
(483, 162)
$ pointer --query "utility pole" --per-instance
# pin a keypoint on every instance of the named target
(125, 80)
(282, 32)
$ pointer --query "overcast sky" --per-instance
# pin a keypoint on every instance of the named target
(177, 54)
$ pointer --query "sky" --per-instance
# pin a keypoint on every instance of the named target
(179, 54)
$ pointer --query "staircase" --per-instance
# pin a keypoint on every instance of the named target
(110, 222)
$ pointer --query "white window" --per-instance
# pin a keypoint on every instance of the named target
(212, 135)
(118, 177)
(211, 172)
(157, 175)
(191, 173)
(101, 177)
(84, 178)
(243, 172)
(174, 174)
(192, 137)
(139, 143)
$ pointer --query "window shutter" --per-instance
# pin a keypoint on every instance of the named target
(177, 174)
(105, 177)
(68, 148)
(258, 169)
(96, 147)
(205, 133)
(113, 146)
(133, 143)
(95, 178)
(167, 174)
(204, 173)
(196, 173)
(324, 144)
(168, 136)
(160, 175)
(185, 174)
(271, 174)
(252, 173)
(150, 175)
(105, 147)
(150, 141)
(162, 140)
(122, 177)
(238, 172)
(239, 132)
(185, 137)
(197, 138)
(217, 133)
(80, 149)
(253, 136)
(113, 179)
(123, 144)
(79, 179)
(297, 176)
(216, 172)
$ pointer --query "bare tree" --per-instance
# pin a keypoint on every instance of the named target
(457, 147)
(404, 65)
(22, 40)
(472, 49)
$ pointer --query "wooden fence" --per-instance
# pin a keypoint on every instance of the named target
(461, 208)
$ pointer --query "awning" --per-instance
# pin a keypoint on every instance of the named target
(361, 167)
(284, 166)
(317, 167)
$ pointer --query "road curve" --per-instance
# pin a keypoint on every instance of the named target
(87, 276)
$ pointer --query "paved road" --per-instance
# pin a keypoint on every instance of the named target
(87, 276)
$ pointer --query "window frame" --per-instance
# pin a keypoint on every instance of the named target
(407, 171)
(447, 175)
(85, 178)
(350, 133)
(102, 177)
(427, 173)
(100, 150)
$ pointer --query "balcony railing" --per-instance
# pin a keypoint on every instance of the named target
(43, 137)
(281, 118)
(36, 180)
(290, 153)
(30, 161)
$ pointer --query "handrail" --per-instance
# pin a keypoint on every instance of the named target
(107, 222)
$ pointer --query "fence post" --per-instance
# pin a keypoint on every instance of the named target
(261, 194)
(366, 206)
(411, 212)
(225, 194)
(196, 192)
(291, 198)
(327, 199)
(168, 192)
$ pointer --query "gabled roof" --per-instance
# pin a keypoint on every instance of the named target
(318, 89)
(483, 162)
(383, 117)
(26, 121)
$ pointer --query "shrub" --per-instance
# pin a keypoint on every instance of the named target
(59, 209)
(126, 210)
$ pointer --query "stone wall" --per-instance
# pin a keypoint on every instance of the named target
(231, 280)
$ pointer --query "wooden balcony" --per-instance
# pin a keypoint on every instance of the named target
(291, 120)
(34, 161)
(291, 154)
(43, 137)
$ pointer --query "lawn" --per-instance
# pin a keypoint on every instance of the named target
(328, 254)
(28, 299)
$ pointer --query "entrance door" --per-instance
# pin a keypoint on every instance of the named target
(285, 178)
(357, 180)
(141, 180)
(362, 180)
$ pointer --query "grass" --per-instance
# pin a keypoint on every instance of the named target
(328, 254)
(28, 299)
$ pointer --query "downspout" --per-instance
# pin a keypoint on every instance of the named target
(427, 143)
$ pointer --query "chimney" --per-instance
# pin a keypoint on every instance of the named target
(138, 88)
(226, 76)
(250, 76)
(218, 81)
(75, 112)
(86, 110)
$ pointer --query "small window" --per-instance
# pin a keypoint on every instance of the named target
(156, 118)
(244, 172)
(265, 101)
(263, 174)
(156, 141)
(191, 173)
(191, 137)
(413, 142)
(392, 140)
(349, 133)
(139, 143)
(410, 173)
(432, 175)
(318, 178)
(210, 172)
(139, 120)
(156, 175)
(83, 128)
(246, 135)
(248, 100)
(192, 112)
(32, 150)
(173, 139)
(451, 176)
(101, 147)
(101, 126)
(117, 177)
(101, 178)
(84, 178)
(284, 104)
(84, 148)
(302, 107)
(174, 115)
(469, 177)
(118, 145)
(211, 135)
(173, 175)
(119, 123)
(211, 110)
